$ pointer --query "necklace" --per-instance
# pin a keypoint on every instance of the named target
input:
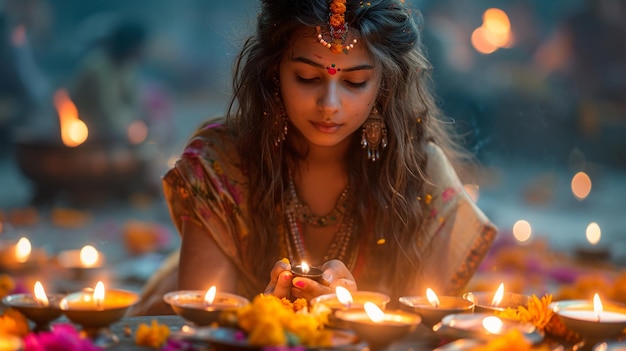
(338, 249)
(305, 215)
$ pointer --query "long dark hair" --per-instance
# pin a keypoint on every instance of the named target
(388, 203)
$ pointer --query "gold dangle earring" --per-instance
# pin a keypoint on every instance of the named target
(280, 122)
(374, 135)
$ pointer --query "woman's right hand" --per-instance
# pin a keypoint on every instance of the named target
(280, 280)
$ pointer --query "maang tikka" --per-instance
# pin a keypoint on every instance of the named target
(374, 135)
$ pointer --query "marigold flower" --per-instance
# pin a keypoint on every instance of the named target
(336, 7)
(154, 335)
(336, 20)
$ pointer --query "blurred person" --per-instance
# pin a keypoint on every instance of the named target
(105, 87)
(333, 152)
(24, 88)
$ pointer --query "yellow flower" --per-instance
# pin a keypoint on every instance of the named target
(513, 340)
(538, 312)
(337, 7)
(154, 335)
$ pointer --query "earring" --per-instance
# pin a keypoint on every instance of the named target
(374, 134)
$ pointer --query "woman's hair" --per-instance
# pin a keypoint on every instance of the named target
(388, 205)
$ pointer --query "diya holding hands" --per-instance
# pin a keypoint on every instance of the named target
(333, 152)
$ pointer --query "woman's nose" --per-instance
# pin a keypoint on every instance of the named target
(329, 100)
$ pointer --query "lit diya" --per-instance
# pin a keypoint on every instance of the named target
(96, 309)
(40, 308)
(379, 329)
(305, 271)
(203, 308)
(87, 259)
(593, 321)
(483, 326)
(486, 302)
(343, 299)
(433, 308)
(21, 256)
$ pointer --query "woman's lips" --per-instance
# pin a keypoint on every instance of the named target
(326, 127)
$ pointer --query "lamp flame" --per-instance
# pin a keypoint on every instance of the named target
(40, 294)
(374, 312)
(209, 297)
(98, 294)
(344, 296)
(432, 297)
(593, 233)
(88, 256)
(305, 267)
(597, 306)
(22, 250)
(492, 324)
(73, 131)
(497, 297)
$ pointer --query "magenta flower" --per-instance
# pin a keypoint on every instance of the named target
(62, 337)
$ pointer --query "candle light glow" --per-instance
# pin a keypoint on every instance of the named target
(497, 297)
(209, 297)
(22, 250)
(98, 294)
(40, 294)
(374, 312)
(305, 267)
(344, 296)
(88, 256)
(492, 324)
(432, 297)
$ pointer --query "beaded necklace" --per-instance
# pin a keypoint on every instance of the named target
(305, 215)
(343, 239)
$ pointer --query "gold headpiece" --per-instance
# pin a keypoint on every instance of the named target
(338, 29)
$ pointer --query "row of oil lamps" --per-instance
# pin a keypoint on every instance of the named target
(470, 316)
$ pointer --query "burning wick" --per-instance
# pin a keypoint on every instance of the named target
(305, 267)
(432, 297)
(497, 297)
(209, 297)
(98, 294)
(344, 296)
(597, 306)
(40, 295)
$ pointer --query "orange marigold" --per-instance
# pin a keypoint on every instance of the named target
(336, 20)
(337, 8)
(336, 48)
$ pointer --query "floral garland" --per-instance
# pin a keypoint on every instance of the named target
(338, 29)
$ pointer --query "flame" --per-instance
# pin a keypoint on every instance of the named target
(470, 297)
(522, 231)
(88, 256)
(98, 294)
(305, 267)
(374, 312)
(597, 305)
(73, 131)
(593, 233)
(40, 294)
(492, 324)
(209, 297)
(497, 297)
(344, 296)
(432, 297)
(22, 250)
(581, 185)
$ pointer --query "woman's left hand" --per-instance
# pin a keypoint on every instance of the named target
(335, 273)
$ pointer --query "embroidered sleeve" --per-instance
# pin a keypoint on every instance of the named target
(206, 185)
(458, 234)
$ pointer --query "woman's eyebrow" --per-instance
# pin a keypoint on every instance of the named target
(319, 65)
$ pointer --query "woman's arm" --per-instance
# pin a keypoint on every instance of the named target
(202, 263)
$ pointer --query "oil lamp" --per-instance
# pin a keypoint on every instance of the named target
(483, 326)
(21, 256)
(343, 300)
(82, 261)
(40, 308)
(487, 302)
(433, 308)
(306, 271)
(96, 309)
(203, 308)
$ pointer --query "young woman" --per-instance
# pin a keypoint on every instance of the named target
(332, 153)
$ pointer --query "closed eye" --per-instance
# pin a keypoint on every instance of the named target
(356, 85)
(307, 80)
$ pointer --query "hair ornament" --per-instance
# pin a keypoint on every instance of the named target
(338, 29)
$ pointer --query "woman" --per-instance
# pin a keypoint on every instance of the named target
(332, 153)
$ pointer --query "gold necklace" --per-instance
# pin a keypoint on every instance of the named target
(305, 215)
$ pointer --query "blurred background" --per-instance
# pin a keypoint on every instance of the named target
(536, 88)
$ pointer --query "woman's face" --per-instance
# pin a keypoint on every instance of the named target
(327, 96)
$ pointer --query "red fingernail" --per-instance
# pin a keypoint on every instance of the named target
(300, 284)
(286, 277)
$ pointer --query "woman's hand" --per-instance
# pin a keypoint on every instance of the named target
(280, 280)
(335, 273)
